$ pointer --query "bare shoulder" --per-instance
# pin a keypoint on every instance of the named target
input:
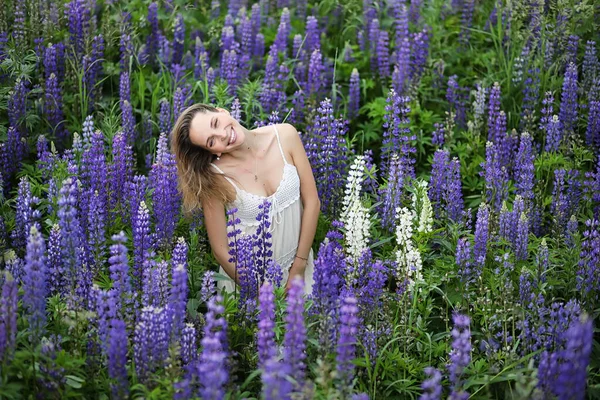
(289, 136)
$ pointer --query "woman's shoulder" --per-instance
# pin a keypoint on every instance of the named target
(289, 135)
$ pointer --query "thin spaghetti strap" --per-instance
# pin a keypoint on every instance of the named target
(279, 143)
(223, 173)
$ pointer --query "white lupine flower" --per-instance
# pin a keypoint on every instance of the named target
(408, 257)
(355, 215)
(422, 206)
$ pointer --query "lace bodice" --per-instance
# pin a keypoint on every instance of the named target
(287, 193)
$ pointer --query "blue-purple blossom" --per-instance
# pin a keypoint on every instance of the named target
(588, 275)
(481, 237)
(568, 101)
(212, 362)
(524, 168)
(117, 359)
(295, 335)
(266, 325)
(397, 137)
(346, 345)
(354, 94)
(35, 283)
(432, 386)
(165, 196)
(460, 356)
(8, 316)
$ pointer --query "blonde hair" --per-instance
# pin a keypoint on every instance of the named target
(198, 182)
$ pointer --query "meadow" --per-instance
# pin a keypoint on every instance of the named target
(456, 150)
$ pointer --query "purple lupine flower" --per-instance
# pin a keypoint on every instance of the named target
(346, 345)
(189, 349)
(453, 194)
(354, 94)
(274, 378)
(571, 49)
(315, 74)
(572, 372)
(78, 16)
(496, 177)
(382, 53)
(57, 273)
(591, 65)
(313, 35)
(565, 197)
(522, 238)
(212, 363)
(178, 298)
(267, 95)
(588, 275)
(283, 33)
(46, 159)
(563, 372)
(150, 341)
(164, 117)
(392, 194)
(466, 20)
(117, 359)
(554, 134)
(119, 274)
(71, 234)
(454, 95)
(152, 40)
(208, 288)
(568, 101)
(592, 134)
(481, 237)
(230, 71)
(178, 39)
(34, 283)
(464, 260)
(329, 271)
(165, 197)
(135, 193)
(432, 386)
(266, 325)
(524, 168)
(142, 243)
(25, 215)
(572, 230)
(493, 111)
(327, 154)
(401, 74)
(96, 229)
(181, 100)
(120, 171)
(258, 51)
(8, 316)
(249, 275)
(125, 43)
(531, 89)
(460, 356)
(438, 137)
(397, 136)
(295, 335)
(547, 110)
(51, 375)
(53, 107)
(400, 15)
(95, 172)
(262, 240)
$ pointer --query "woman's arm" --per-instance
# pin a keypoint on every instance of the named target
(216, 227)
(309, 196)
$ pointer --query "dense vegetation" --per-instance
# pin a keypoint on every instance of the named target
(455, 147)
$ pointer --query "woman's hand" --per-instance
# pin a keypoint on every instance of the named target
(297, 269)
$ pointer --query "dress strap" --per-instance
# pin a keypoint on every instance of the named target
(279, 143)
(224, 176)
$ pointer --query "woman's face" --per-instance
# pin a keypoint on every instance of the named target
(216, 132)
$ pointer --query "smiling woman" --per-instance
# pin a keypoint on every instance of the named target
(222, 165)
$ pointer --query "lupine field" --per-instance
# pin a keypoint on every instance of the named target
(456, 150)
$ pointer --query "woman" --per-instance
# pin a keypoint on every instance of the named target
(223, 165)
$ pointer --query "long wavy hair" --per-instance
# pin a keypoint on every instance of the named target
(198, 182)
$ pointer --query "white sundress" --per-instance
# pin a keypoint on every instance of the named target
(285, 216)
